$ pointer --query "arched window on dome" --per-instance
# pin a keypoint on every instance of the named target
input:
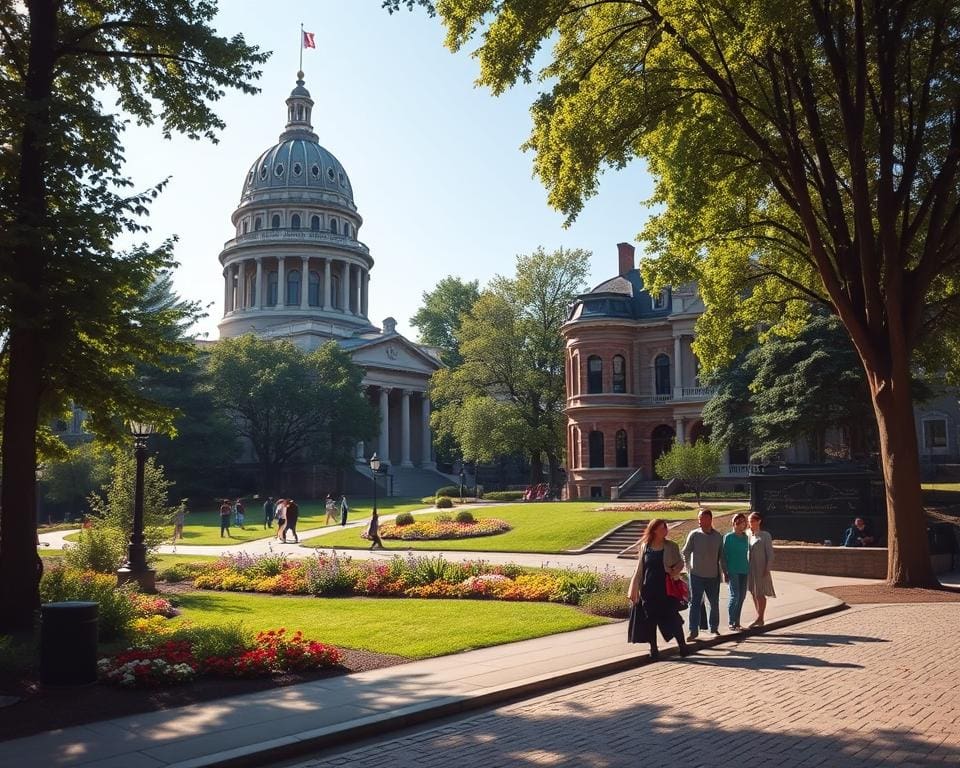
(333, 226)
(314, 289)
(271, 289)
(594, 375)
(293, 287)
(243, 227)
(295, 221)
(346, 228)
(661, 375)
(275, 221)
(257, 223)
(619, 374)
(315, 223)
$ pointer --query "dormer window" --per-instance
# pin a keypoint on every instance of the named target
(660, 300)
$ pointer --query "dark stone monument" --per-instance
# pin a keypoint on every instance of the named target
(818, 502)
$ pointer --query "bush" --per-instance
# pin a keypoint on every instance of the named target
(180, 572)
(404, 518)
(443, 517)
(428, 499)
(117, 610)
(99, 549)
(613, 605)
(449, 490)
(464, 516)
(444, 502)
(503, 496)
(216, 640)
(17, 657)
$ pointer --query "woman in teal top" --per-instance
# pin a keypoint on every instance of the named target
(735, 547)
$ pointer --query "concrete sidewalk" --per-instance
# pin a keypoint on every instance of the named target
(287, 722)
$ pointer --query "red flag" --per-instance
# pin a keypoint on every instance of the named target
(308, 40)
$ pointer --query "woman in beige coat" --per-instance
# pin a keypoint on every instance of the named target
(653, 608)
(760, 561)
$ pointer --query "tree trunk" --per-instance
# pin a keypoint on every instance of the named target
(536, 468)
(908, 553)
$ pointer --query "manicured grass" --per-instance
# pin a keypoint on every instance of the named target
(203, 526)
(548, 527)
(158, 563)
(953, 487)
(416, 629)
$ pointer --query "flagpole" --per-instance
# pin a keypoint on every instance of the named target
(301, 47)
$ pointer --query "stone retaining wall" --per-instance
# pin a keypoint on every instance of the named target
(857, 562)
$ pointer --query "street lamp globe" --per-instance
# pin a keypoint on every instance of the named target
(375, 463)
(141, 428)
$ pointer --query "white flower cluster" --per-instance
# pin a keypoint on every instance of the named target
(153, 669)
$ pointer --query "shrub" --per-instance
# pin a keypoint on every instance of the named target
(117, 610)
(101, 549)
(443, 517)
(449, 490)
(464, 516)
(573, 586)
(614, 605)
(503, 496)
(215, 640)
(428, 499)
(443, 502)
(16, 657)
(180, 572)
(404, 518)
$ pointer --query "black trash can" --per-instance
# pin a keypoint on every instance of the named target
(68, 643)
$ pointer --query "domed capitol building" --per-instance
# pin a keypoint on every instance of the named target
(296, 270)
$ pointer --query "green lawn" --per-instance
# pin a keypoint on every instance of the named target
(203, 526)
(548, 527)
(397, 626)
(158, 562)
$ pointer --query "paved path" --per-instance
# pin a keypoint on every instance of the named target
(858, 689)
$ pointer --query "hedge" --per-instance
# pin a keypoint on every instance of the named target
(503, 496)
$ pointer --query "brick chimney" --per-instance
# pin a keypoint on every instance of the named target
(625, 253)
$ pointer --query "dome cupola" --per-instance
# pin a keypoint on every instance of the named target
(299, 108)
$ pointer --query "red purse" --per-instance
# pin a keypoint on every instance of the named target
(678, 588)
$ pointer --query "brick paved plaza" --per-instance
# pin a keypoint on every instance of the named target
(871, 686)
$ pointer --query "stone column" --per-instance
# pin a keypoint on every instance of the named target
(359, 453)
(677, 368)
(681, 435)
(227, 274)
(258, 296)
(405, 429)
(426, 461)
(327, 292)
(305, 283)
(281, 283)
(383, 447)
(345, 288)
(358, 291)
(241, 288)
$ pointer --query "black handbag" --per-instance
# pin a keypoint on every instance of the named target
(638, 625)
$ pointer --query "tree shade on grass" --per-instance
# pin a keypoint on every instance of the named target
(549, 528)
(415, 629)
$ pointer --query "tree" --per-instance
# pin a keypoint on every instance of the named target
(65, 295)
(438, 320)
(807, 152)
(508, 394)
(289, 404)
(695, 465)
(70, 480)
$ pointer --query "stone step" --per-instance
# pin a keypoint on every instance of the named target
(621, 539)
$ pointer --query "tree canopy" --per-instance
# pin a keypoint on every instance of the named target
(694, 464)
(801, 151)
(66, 295)
(439, 317)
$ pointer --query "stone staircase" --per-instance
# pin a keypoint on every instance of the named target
(623, 538)
(647, 490)
(414, 482)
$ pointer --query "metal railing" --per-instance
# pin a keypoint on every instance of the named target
(312, 236)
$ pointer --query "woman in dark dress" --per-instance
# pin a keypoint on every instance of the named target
(653, 609)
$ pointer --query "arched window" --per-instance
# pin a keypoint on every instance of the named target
(315, 223)
(314, 289)
(619, 374)
(257, 224)
(293, 287)
(596, 449)
(271, 289)
(346, 228)
(333, 226)
(245, 226)
(661, 374)
(275, 221)
(295, 221)
(621, 445)
(594, 375)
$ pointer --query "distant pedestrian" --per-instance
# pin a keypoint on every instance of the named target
(858, 535)
(281, 515)
(226, 509)
(373, 531)
(292, 514)
(239, 513)
(331, 507)
(344, 509)
(268, 510)
(759, 580)
(735, 549)
(179, 518)
(703, 555)
(652, 608)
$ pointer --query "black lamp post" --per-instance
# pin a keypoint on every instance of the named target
(136, 568)
(461, 482)
(374, 468)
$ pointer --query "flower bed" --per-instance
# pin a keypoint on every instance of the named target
(443, 529)
(648, 506)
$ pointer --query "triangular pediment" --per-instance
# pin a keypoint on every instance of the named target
(393, 352)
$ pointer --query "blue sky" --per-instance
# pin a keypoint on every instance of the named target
(435, 163)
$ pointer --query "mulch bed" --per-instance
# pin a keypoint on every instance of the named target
(861, 594)
(43, 709)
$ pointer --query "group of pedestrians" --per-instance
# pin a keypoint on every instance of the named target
(286, 512)
(333, 507)
(657, 594)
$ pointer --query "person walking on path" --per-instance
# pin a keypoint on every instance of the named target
(759, 580)
(344, 509)
(268, 510)
(179, 518)
(331, 506)
(735, 548)
(280, 512)
(239, 513)
(291, 516)
(653, 609)
(703, 556)
(373, 531)
(225, 511)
